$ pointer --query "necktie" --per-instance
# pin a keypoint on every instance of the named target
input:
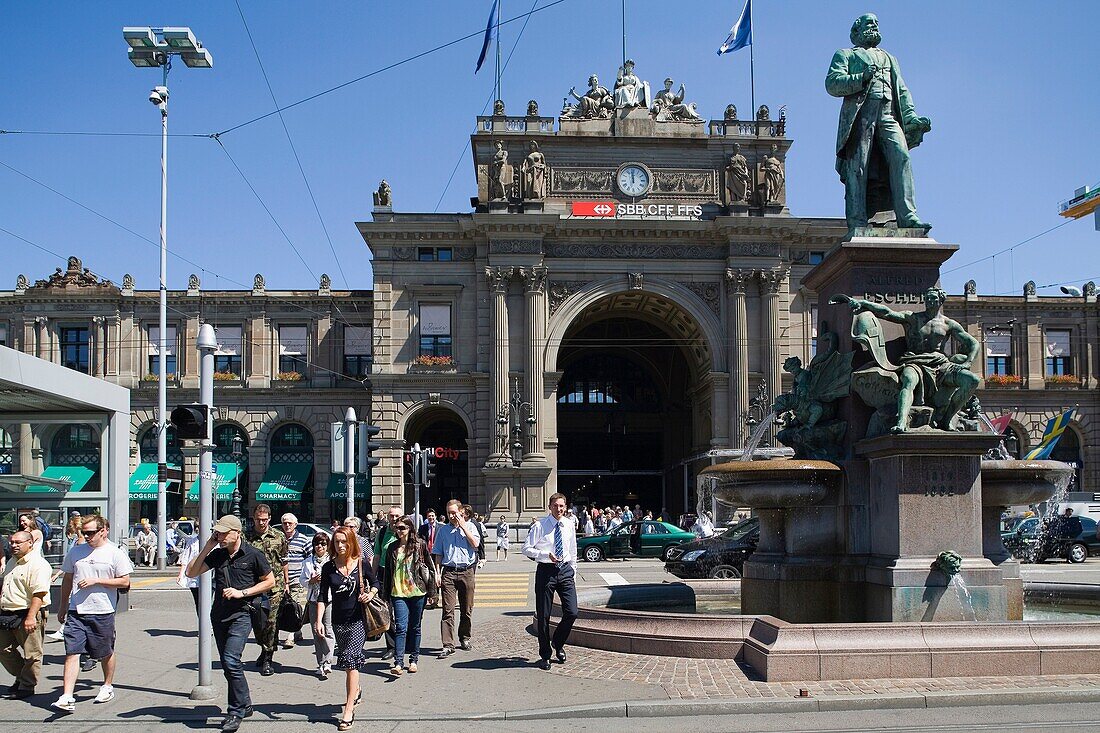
(559, 544)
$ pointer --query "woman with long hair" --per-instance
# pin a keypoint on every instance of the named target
(406, 588)
(311, 580)
(27, 524)
(346, 583)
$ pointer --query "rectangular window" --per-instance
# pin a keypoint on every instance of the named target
(813, 330)
(435, 330)
(3, 334)
(1059, 360)
(434, 254)
(227, 359)
(357, 351)
(293, 349)
(998, 354)
(169, 351)
(816, 258)
(74, 348)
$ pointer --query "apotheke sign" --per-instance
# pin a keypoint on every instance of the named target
(615, 210)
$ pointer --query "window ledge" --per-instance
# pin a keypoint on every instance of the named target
(432, 368)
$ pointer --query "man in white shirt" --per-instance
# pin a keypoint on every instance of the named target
(552, 543)
(95, 572)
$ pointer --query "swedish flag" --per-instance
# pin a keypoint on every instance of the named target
(1051, 434)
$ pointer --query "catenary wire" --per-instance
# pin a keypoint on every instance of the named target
(1007, 249)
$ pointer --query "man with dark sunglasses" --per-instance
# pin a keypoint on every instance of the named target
(95, 572)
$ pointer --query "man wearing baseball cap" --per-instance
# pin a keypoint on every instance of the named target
(242, 579)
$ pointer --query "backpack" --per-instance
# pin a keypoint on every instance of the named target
(47, 532)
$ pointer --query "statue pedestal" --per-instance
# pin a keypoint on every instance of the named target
(517, 492)
(924, 497)
(633, 122)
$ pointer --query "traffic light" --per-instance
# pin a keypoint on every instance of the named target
(367, 447)
(410, 468)
(190, 421)
(427, 466)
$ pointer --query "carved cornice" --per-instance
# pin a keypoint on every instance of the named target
(515, 246)
(499, 277)
(737, 279)
(534, 278)
(755, 249)
(633, 250)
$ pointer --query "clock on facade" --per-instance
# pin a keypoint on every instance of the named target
(633, 180)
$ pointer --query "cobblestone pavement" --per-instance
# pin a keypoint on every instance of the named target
(702, 679)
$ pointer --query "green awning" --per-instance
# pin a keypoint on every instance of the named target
(225, 479)
(284, 482)
(77, 476)
(338, 487)
(143, 482)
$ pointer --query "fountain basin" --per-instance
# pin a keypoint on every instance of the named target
(776, 484)
(1012, 482)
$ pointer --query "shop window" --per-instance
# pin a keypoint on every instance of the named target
(293, 348)
(227, 359)
(357, 351)
(435, 331)
(169, 351)
(1059, 358)
(74, 348)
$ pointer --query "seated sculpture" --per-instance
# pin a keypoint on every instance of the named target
(808, 411)
(596, 103)
(669, 106)
(926, 388)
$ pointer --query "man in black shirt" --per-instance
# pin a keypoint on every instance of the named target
(242, 577)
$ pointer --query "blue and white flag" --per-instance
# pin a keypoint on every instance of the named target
(741, 32)
(488, 36)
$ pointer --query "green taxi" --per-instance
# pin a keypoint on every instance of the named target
(639, 538)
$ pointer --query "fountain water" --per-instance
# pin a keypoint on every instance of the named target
(963, 594)
(757, 436)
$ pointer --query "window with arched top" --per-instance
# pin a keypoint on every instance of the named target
(75, 445)
(223, 443)
(604, 379)
(292, 443)
(147, 446)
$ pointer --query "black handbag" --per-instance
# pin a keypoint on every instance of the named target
(291, 615)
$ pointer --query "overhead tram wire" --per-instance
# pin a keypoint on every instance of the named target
(382, 69)
(1007, 249)
(93, 133)
(148, 241)
(466, 146)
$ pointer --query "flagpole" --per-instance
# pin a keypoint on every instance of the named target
(624, 33)
(752, 75)
(500, 9)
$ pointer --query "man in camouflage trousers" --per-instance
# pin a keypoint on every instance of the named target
(271, 542)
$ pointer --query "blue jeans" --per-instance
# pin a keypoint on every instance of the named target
(230, 636)
(407, 613)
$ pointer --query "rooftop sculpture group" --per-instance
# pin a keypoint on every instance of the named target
(630, 92)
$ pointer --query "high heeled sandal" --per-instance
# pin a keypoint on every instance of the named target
(345, 724)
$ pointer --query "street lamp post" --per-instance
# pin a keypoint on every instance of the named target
(151, 47)
(238, 446)
(512, 412)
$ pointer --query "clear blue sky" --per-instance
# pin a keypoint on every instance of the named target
(1011, 88)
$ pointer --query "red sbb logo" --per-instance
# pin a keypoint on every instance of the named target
(594, 208)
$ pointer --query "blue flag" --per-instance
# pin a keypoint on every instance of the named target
(741, 32)
(1055, 427)
(488, 36)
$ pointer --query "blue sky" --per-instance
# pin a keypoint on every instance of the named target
(1010, 86)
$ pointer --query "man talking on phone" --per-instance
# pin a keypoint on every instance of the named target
(552, 543)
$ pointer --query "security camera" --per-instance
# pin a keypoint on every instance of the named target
(1071, 290)
(159, 95)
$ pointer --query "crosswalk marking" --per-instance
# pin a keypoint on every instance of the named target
(149, 582)
(502, 590)
(614, 579)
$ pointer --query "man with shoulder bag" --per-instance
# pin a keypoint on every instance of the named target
(23, 603)
(242, 578)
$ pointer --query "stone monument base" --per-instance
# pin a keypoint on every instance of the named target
(634, 122)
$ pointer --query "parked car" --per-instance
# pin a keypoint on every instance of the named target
(641, 537)
(1072, 538)
(311, 529)
(721, 556)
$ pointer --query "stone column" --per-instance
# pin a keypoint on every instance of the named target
(737, 330)
(499, 278)
(98, 361)
(535, 296)
(771, 282)
(43, 337)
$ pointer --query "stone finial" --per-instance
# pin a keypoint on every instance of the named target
(1089, 290)
(1029, 288)
(383, 197)
(498, 108)
(326, 284)
(21, 284)
(730, 114)
(971, 287)
(532, 108)
(764, 114)
(258, 284)
(127, 281)
(193, 284)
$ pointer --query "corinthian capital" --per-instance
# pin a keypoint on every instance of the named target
(499, 277)
(737, 279)
(534, 278)
(771, 281)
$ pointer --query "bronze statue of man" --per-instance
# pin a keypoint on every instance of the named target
(878, 128)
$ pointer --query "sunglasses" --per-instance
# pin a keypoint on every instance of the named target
(90, 532)
(402, 529)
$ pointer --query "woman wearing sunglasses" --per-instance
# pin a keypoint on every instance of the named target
(406, 587)
(311, 580)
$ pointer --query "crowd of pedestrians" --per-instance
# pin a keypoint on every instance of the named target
(393, 561)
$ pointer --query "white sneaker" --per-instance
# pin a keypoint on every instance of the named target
(58, 635)
(106, 694)
(66, 703)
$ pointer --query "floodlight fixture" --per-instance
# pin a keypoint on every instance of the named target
(199, 58)
(144, 57)
(180, 38)
(139, 37)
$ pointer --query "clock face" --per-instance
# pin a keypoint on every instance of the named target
(633, 180)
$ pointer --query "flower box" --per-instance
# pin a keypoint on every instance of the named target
(288, 377)
(226, 377)
(1003, 381)
(440, 361)
(1062, 381)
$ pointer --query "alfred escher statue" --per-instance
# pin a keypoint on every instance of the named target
(878, 128)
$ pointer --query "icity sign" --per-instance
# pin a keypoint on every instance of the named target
(615, 210)
(450, 454)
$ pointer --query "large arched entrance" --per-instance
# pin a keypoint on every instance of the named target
(630, 406)
(441, 429)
